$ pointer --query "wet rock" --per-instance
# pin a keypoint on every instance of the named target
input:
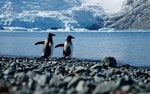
(117, 72)
(93, 73)
(9, 71)
(1, 65)
(54, 62)
(148, 87)
(99, 79)
(80, 86)
(74, 82)
(126, 88)
(55, 81)
(13, 64)
(141, 74)
(90, 87)
(126, 65)
(97, 66)
(80, 70)
(21, 77)
(1, 74)
(32, 84)
(33, 67)
(24, 90)
(68, 79)
(101, 75)
(71, 76)
(72, 91)
(110, 62)
(105, 88)
(62, 91)
(41, 79)
(4, 89)
(39, 90)
(144, 93)
(39, 71)
(19, 69)
(126, 81)
(31, 74)
(60, 69)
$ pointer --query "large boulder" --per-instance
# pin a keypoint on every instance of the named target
(110, 62)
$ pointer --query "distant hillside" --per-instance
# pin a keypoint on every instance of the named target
(135, 15)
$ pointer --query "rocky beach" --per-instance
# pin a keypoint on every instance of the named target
(23, 75)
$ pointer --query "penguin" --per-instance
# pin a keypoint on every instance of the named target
(67, 47)
(48, 46)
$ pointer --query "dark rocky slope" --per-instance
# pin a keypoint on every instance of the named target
(135, 15)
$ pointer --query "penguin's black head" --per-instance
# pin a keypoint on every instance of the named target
(50, 35)
(70, 37)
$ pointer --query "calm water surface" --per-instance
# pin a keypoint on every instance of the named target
(132, 48)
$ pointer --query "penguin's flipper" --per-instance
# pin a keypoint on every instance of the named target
(40, 42)
(59, 45)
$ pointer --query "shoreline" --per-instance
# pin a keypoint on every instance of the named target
(58, 76)
(74, 58)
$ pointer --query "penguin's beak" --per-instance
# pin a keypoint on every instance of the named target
(53, 35)
(70, 37)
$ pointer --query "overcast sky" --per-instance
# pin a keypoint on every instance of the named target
(109, 6)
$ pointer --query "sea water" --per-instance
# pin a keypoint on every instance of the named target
(127, 47)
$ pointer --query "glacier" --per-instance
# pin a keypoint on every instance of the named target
(50, 14)
(71, 14)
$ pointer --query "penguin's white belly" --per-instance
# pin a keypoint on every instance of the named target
(66, 45)
(68, 49)
(51, 49)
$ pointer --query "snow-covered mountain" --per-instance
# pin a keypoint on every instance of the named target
(50, 14)
(135, 14)
(70, 14)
